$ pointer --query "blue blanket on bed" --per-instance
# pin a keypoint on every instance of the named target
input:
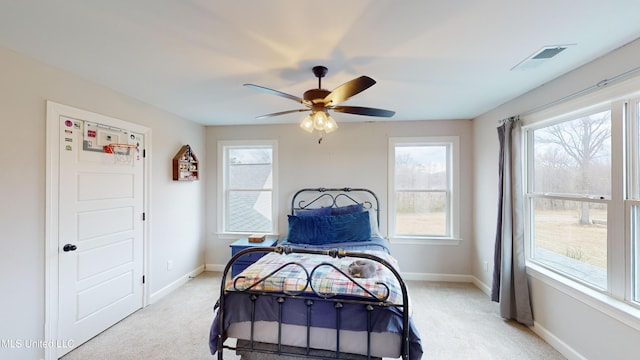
(238, 309)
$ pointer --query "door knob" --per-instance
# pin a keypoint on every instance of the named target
(69, 247)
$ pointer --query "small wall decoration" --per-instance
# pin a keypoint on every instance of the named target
(185, 165)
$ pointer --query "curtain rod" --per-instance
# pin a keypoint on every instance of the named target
(598, 85)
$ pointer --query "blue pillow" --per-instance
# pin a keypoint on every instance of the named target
(308, 229)
(323, 211)
(351, 227)
(349, 209)
(319, 230)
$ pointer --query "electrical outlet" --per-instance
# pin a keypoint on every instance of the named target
(169, 265)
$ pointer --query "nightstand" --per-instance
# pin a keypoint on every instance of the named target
(248, 259)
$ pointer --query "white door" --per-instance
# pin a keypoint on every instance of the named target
(100, 229)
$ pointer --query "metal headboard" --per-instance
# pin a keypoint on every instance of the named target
(311, 198)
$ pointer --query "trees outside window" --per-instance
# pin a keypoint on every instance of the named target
(423, 187)
(570, 187)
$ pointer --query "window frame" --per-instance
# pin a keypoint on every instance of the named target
(632, 200)
(223, 187)
(531, 195)
(620, 289)
(453, 192)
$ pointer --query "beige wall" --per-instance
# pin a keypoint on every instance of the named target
(177, 209)
(355, 156)
(579, 329)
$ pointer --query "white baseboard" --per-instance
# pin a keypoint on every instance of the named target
(174, 285)
(556, 343)
(214, 267)
(437, 277)
(449, 278)
(482, 286)
(545, 334)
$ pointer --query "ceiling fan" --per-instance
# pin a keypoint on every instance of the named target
(319, 101)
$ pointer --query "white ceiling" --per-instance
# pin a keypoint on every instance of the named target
(431, 59)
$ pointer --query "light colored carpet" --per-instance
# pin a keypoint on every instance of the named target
(455, 321)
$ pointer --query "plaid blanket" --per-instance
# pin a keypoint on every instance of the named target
(325, 279)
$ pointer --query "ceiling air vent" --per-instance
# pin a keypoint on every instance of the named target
(540, 57)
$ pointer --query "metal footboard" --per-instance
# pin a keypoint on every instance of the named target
(370, 302)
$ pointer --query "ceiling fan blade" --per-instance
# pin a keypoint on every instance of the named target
(281, 113)
(348, 89)
(278, 93)
(358, 110)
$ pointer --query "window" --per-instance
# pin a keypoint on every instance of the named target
(423, 187)
(247, 195)
(635, 235)
(583, 193)
(569, 195)
(633, 206)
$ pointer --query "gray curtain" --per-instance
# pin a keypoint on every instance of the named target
(510, 284)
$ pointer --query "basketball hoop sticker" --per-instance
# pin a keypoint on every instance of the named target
(122, 153)
(104, 143)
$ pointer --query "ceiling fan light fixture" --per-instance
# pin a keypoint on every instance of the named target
(307, 124)
(319, 101)
(330, 126)
(320, 120)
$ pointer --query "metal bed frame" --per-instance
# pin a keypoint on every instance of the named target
(370, 302)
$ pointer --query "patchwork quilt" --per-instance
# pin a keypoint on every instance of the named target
(320, 274)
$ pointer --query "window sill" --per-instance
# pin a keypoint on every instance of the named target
(424, 241)
(620, 310)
